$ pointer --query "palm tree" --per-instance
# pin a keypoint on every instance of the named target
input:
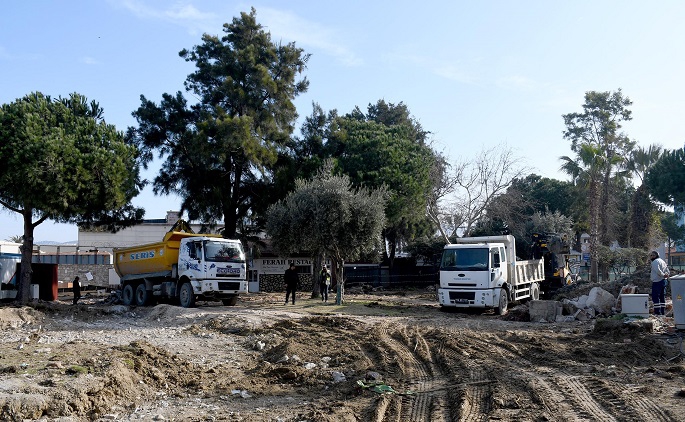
(587, 171)
(639, 163)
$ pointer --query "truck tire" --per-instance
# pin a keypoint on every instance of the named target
(127, 295)
(186, 296)
(142, 296)
(231, 301)
(535, 291)
(503, 302)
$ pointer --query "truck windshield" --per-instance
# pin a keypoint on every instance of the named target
(473, 259)
(223, 252)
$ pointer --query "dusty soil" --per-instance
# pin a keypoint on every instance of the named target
(385, 356)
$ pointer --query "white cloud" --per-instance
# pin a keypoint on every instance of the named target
(184, 15)
(458, 71)
(89, 61)
(281, 24)
(454, 72)
(517, 82)
(289, 26)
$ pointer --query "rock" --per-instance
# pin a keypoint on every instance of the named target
(338, 376)
(309, 365)
(372, 376)
(544, 310)
(284, 359)
(601, 300)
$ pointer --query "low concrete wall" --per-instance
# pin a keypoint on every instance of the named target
(276, 283)
(67, 272)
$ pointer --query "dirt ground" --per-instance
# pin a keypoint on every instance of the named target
(382, 356)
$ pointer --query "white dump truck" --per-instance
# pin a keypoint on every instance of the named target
(183, 267)
(482, 272)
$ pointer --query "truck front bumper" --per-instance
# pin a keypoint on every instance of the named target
(219, 288)
(468, 298)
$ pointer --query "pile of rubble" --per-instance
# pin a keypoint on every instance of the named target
(630, 303)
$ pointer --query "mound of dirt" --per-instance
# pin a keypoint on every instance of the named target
(14, 317)
(345, 362)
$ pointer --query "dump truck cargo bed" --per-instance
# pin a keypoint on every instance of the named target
(151, 258)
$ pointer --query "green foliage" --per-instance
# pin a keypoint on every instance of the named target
(386, 149)
(59, 160)
(670, 226)
(220, 152)
(427, 248)
(326, 215)
(621, 260)
(602, 151)
(666, 179)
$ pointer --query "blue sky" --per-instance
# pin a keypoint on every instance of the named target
(475, 74)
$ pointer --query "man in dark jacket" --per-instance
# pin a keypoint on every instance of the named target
(76, 288)
(291, 279)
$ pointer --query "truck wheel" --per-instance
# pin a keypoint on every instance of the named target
(186, 296)
(501, 309)
(127, 295)
(534, 291)
(141, 295)
(231, 301)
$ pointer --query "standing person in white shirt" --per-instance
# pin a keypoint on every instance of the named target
(658, 276)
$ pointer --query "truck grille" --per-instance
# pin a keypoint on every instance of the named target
(462, 295)
(229, 285)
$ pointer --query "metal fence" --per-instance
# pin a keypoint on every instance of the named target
(383, 277)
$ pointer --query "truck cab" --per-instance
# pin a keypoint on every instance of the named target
(215, 267)
(483, 272)
(470, 273)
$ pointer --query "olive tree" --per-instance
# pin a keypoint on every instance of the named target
(326, 215)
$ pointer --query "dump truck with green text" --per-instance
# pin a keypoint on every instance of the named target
(183, 267)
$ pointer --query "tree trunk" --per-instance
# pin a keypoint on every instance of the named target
(392, 242)
(316, 277)
(26, 272)
(595, 194)
(231, 202)
(338, 280)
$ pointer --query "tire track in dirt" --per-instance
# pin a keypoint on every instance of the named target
(632, 408)
(568, 396)
(428, 401)
(473, 397)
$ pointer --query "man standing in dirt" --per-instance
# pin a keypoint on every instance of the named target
(324, 283)
(658, 275)
(290, 282)
(76, 288)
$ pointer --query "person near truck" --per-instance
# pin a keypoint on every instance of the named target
(324, 283)
(76, 288)
(290, 282)
(658, 276)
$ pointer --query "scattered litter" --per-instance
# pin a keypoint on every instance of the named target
(381, 388)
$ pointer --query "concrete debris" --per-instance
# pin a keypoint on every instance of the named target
(601, 300)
